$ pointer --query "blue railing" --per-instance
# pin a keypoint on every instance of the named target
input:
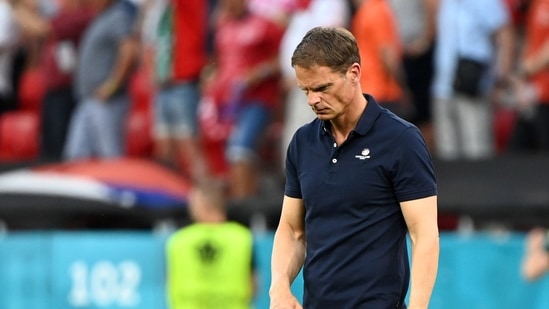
(115, 270)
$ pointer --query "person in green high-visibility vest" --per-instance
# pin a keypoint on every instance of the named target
(210, 262)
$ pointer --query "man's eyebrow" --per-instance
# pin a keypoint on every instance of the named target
(321, 87)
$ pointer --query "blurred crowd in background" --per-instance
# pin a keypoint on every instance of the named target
(206, 88)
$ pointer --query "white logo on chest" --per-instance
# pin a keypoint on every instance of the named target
(364, 154)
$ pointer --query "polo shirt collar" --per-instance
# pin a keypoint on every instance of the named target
(366, 121)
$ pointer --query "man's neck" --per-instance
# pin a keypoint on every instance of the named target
(341, 128)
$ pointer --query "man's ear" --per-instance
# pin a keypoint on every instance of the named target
(354, 73)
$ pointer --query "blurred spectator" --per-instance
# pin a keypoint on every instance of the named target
(8, 48)
(473, 55)
(153, 10)
(374, 27)
(505, 113)
(517, 10)
(308, 14)
(241, 96)
(210, 262)
(531, 131)
(62, 32)
(32, 20)
(416, 27)
(180, 55)
(535, 262)
(278, 10)
(107, 55)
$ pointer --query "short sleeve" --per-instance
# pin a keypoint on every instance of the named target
(499, 14)
(413, 174)
(292, 187)
(123, 23)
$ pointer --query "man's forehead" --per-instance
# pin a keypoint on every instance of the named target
(315, 76)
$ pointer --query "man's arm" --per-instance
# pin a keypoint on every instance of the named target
(504, 39)
(535, 263)
(128, 52)
(537, 62)
(421, 219)
(31, 22)
(288, 253)
(422, 42)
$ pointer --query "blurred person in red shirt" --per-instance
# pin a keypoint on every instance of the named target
(244, 89)
(531, 84)
(61, 33)
(59, 61)
(51, 39)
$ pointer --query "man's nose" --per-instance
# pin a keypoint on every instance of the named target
(313, 99)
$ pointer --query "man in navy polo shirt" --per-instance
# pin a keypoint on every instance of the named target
(358, 179)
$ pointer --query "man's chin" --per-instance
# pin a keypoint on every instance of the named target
(324, 117)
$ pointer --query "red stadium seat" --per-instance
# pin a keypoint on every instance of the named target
(31, 90)
(19, 136)
(448, 222)
(214, 154)
(504, 122)
(139, 141)
(141, 89)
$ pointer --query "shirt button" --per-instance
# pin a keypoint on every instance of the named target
(335, 145)
(334, 160)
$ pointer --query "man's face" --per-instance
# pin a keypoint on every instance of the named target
(328, 93)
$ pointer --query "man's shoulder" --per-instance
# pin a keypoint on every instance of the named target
(122, 10)
(311, 127)
(388, 119)
(391, 130)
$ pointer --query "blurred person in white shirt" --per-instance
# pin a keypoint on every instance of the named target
(8, 48)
